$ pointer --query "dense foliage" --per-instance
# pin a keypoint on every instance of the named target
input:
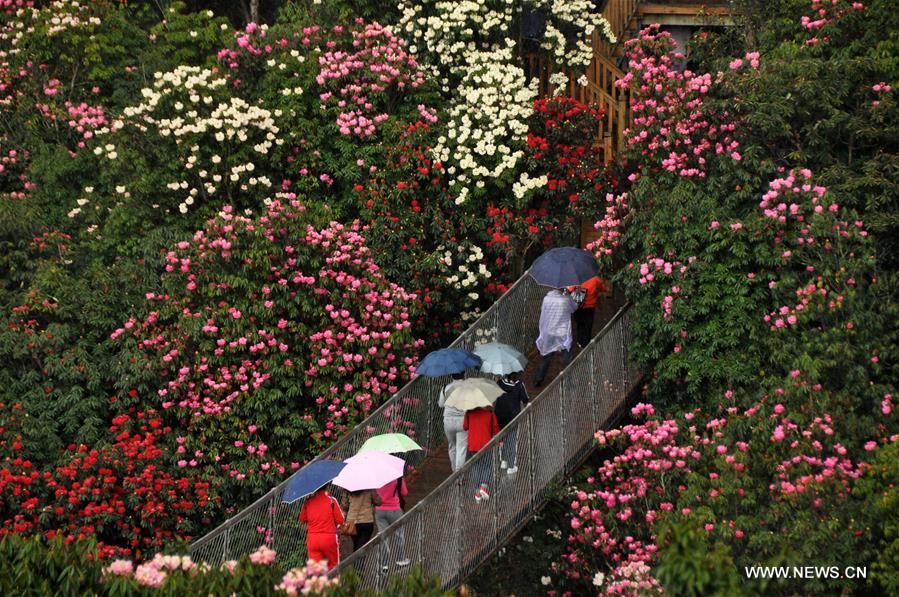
(30, 567)
(203, 279)
(756, 236)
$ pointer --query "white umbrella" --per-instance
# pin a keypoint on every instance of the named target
(474, 393)
(500, 359)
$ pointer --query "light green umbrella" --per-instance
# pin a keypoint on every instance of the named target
(472, 393)
(500, 359)
(390, 443)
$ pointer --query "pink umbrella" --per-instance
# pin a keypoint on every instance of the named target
(369, 470)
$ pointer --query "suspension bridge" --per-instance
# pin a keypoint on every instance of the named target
(444, 530)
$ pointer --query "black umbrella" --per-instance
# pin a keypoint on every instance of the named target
(563, 267)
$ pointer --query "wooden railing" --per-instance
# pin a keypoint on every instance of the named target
(602, 74)
(600, 91)
(619, 14)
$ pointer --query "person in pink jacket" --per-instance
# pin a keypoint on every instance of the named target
(391, 509)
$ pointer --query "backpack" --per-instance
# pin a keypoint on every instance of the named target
(579, 295)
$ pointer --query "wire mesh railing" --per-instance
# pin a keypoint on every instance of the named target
(413, 410)
(449, 533)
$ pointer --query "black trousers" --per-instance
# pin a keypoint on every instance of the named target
(363, 534)
(583, 321)
(545, 360)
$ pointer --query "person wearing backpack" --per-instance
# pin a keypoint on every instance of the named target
(507, 407)
(583, 317)
(391, 509)
(360, 516)
(323, 516)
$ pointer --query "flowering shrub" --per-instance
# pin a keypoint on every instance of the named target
(673, 128)
(466, 47)
(35, 567)
(421, 237)
(204, 143)
(761, 316)
(122, 494)
(341, 90)
(696, 468)
(564, 179)
(225, 342)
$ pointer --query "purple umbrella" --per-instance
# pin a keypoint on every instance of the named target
(369, 470)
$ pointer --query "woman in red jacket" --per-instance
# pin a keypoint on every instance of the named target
(323, 517)
(481, 425)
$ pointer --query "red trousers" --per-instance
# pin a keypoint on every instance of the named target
(323, 546)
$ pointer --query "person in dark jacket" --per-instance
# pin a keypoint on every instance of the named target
(507, 408)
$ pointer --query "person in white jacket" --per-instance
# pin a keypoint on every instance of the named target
(555, 330)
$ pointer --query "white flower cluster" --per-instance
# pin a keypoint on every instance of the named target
(490, 116)
(467, 269)
(466, 46)
(194, 108)
(526, 184)
(66, 15)
(57, 16)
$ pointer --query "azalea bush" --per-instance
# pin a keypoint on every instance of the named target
(422, 238)
(469, 50)
(32, 566)
(248, 307)
(125, 495)
(695, 468)
(751, 236)
(341, 91)
(565, 180)
(764, 315)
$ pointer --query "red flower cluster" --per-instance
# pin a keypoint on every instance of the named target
(560, 147)
(121, 493)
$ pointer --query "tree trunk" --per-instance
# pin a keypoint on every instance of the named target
(254, 11)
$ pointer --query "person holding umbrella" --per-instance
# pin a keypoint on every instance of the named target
(476, 397)
(361, 514)
(384, 472)
(559, 268)
(555, 331)
(451, 361)
(322, 515)
(456, 435)
(392, 496)
(506, 363)
(583, 317)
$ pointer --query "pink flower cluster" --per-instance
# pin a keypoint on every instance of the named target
(319, 306)
(611, 226)
(825, 12)
(672, 125)
(661, 464)
(86, 119)
(654, 266)
(377, 64)
(802, 222)
(152, 573)
(263, 556)
(313, 578)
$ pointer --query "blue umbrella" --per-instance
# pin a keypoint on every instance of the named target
(565, 266)
(447, 361)
(310, 478)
